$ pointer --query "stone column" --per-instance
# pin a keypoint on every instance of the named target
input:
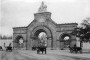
(49, 43)
(61, 44)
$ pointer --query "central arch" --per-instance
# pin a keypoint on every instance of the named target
(38, 32)
(38, 29)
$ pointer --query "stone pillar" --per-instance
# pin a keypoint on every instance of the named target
(29, 44)
(24, 44)
(73, 42)
(54, 44)
(58, 44)
(14, 45)
(61, 45)
(49, 43)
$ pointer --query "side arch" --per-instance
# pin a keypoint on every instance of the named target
(61, 37)
(64, 43)
(18, 43)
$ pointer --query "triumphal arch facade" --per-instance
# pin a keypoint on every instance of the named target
(43, 23)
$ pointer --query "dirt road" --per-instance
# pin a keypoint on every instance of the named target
(32, 55)
(15, 55)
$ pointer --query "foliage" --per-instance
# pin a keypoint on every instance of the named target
(83, 32)
(5, 37)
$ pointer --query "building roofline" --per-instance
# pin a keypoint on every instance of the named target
(18, 27)
(67, 24)
(51, 21)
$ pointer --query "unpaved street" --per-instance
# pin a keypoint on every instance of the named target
(15, 55)
(32, 55)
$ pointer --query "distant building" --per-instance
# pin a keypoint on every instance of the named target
(43, 23)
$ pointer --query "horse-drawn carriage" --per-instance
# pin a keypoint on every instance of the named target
(75, 49)
(9, 48)
(41, 47)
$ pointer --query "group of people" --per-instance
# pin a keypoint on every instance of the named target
(41, 47)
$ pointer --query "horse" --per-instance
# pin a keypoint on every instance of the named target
(1, 49)
(42, 49)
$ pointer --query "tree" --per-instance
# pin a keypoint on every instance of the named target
(85, 23)
(86, 26)
(83, 32)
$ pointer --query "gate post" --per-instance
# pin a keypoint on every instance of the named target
(62, 44)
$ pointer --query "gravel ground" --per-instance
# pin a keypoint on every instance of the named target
(15, 55)
(32, 55)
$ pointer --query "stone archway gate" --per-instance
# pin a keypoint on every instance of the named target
(43, 22)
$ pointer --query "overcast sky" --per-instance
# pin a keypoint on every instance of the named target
(17, 13)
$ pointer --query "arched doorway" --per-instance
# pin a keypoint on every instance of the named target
(19, 41)
(65, 40)
(46, 36)
(39, 36)
(42, 37)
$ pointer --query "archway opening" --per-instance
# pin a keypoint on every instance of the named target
(66, 40)
(19, 41)
(40, 37)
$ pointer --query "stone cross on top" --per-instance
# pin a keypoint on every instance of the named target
(42, 8)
